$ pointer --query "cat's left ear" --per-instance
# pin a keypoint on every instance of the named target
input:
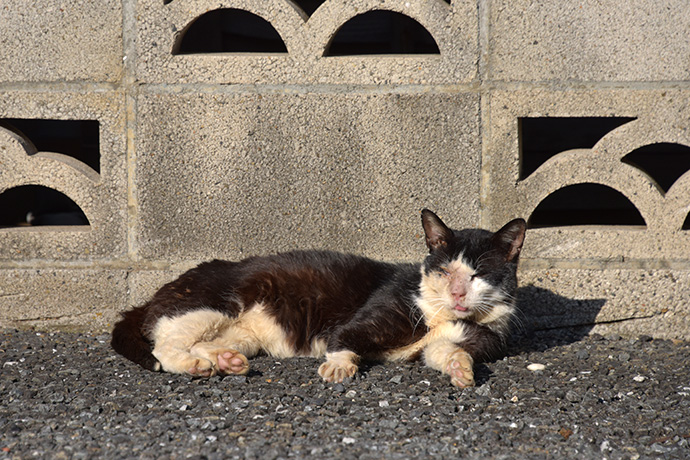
(436, 232)
(509, 239)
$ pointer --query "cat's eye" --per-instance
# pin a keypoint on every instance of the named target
(444, 271)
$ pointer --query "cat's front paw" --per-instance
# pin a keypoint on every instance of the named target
(338, 366)
(459, 368)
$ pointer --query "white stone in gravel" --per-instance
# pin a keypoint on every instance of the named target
(639, 378)
(536, 367)
(347, 440)
(383, 404)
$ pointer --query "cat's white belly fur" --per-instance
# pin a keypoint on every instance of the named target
(180, 341)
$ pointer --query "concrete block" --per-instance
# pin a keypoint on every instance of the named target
(306, 38)
(102, 196)
(57, 41)
(589, 40)
(234, 174)
(664, 212)
(623, 301)
(46, 298)
(144, 283)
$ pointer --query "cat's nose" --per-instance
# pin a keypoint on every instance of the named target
(458, 292)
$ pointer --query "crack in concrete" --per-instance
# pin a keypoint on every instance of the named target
(596, 323)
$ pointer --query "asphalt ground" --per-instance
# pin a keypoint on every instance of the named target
(68, 395)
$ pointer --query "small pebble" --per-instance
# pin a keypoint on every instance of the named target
(582, 354)
(396, 379)
(536, 367)
(624, 357)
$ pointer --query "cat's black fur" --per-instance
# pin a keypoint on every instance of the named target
(356, 306)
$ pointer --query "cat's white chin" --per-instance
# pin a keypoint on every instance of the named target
(461, 312)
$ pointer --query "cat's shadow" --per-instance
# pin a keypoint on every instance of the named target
(546, 320)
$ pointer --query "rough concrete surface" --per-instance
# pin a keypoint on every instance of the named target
(233, 154)
(230, 175)
(589, 40)
(62, 298)
(70, 396)
(60, 41)
(628, 302)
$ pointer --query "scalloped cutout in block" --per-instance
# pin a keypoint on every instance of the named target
(686, 223)
(36, 205)
(78, 139)
(229, 30)
(544, 137)
(664, 162)
(585, 204)
(381, 32)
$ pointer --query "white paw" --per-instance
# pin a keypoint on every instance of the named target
(459, 368)
(338, 366)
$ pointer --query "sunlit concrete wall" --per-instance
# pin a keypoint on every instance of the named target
(223, 155)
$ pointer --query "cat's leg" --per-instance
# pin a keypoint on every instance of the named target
(229, 350)
(451, 359)
(174, 338)
(174, 356)
(457, 346)
(372, 332)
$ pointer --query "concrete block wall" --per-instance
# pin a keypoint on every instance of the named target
(550, 111)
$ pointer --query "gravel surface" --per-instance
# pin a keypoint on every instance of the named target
(66, 395)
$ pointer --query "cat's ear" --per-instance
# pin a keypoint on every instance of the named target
(509, 239)
(437, 234)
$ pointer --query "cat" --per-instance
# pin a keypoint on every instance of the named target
(452, 310)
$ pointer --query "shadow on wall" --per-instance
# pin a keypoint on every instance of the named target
(546, 319)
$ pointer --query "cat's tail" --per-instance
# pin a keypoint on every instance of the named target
(128, 339)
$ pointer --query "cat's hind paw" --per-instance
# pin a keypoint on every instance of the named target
(459, 368)
(200, 367)
(338, 366)
(232, 362)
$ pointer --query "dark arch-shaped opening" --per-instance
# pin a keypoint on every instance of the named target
(79, 139)
(36, 205)
(544, 137)
(664, 162)
(381, 32)
(585, 204)
(229, 30)
(686, 223)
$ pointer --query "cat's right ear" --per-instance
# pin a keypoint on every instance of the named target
(437, 234)
(510, 239)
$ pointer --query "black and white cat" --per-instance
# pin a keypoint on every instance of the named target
(453, 310)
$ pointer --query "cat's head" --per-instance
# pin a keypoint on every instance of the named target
(469, 274)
